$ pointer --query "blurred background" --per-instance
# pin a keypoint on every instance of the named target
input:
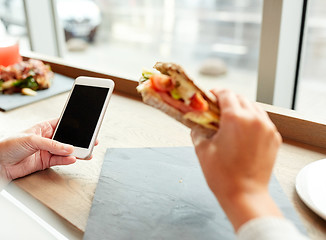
(216, 41)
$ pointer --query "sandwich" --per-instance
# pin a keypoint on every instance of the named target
(172, 91)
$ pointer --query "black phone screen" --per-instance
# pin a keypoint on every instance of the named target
(81, 115)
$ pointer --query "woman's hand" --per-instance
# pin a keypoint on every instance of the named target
(33, 151)
(238, 160)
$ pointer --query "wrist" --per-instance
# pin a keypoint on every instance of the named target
(244, 206)
(4, 180)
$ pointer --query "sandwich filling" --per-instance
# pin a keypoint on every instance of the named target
(181, 95)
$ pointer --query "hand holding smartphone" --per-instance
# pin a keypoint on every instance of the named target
(83, 114)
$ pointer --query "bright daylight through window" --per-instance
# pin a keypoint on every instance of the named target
(217, 42)
(13, 22)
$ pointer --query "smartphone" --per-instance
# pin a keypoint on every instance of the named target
(83, 113)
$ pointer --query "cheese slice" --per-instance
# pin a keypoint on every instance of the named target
(207, 119)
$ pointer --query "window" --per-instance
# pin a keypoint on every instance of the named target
(311, 96)
(122, 37)
(13, 22)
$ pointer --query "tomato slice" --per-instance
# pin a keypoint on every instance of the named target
(198, 103)
(180, 105)
(162, 82)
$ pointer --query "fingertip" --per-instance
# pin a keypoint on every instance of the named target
(200, 134)
(71, 159)
(60, 160)
(68, 149)
(215, 92)
(89, 158)
(54, 122)
(218, 91)
(194, 132)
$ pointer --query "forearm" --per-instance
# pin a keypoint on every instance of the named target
(241, 208)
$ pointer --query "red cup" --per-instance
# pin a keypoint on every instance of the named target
(9, 52)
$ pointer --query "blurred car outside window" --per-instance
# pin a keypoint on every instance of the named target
(79, 18)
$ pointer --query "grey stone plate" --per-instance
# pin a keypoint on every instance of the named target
(60, 84)
(161, 193)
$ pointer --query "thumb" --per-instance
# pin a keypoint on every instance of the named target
(200, 134)
(40, 143)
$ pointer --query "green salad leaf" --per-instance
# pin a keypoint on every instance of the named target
(28, 82)
(175, 94)
(146, 74)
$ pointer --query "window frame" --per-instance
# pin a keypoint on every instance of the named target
(282, 33)
(51, 39)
